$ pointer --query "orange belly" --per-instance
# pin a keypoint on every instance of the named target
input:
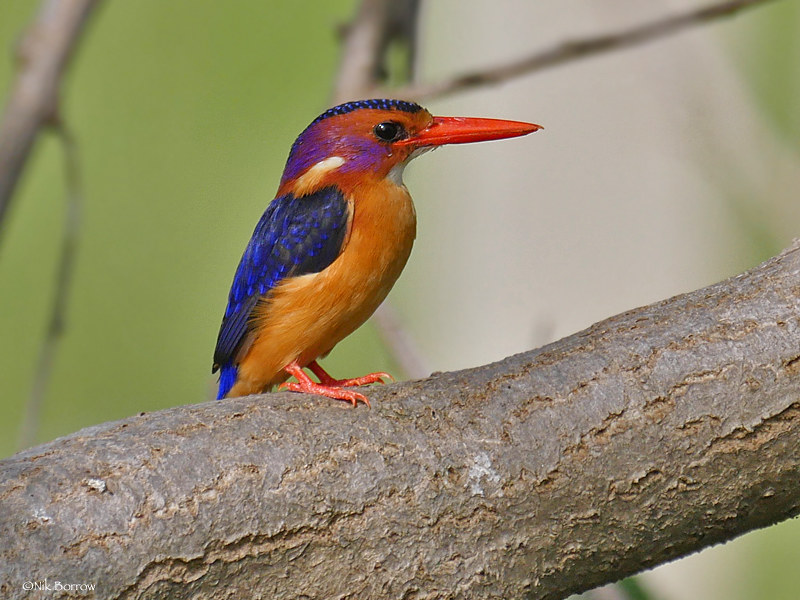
(305, 317)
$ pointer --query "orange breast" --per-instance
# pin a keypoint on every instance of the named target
(306, 316)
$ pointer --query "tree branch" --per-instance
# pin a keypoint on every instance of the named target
(644, 438)
(570, 51)
(366, 42)
(33, 103)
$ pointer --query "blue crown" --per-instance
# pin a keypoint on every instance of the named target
(381, 104)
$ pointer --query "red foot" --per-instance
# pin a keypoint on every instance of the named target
(328, 386)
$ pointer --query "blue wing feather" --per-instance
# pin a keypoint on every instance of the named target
(294, 236)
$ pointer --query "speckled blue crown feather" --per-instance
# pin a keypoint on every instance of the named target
(378, 103)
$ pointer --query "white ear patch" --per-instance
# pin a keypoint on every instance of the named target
(328, 164)
(309, 180)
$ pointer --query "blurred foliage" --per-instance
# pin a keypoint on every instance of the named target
(768, 51)
(765, 47)
(633, 589)
(774, 554)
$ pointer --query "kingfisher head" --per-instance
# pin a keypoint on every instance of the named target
(376, 139)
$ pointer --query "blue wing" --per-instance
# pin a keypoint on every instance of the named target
(294, 236)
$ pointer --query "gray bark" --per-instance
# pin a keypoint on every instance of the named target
(641, 439)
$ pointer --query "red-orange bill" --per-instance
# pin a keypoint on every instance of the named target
(463, 130)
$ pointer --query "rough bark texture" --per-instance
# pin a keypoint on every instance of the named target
(644, 438)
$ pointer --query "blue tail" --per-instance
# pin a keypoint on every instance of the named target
(227, 377)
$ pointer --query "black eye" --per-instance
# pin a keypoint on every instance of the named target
(389, 131)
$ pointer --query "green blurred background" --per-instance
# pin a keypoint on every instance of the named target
(184, 112)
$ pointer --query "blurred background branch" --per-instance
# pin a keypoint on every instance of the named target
(42, 58)
(364, 50)
(43, 55)
(378, 27)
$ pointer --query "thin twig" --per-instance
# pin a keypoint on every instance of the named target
(34, 99)
(400, 342)
(570, 51)
(64, 277)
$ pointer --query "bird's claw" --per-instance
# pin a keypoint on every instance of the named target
(358, 381)
(328, 386)
(319, 389)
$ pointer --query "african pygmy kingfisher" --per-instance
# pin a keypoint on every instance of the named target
(330, 246)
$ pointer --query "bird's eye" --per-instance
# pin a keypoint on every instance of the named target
(389, 131)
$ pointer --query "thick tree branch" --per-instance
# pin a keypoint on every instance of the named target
(570, 51)
(33, 102)
(641, 439)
